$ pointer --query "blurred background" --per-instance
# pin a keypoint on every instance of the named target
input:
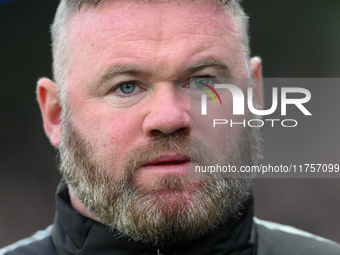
(294, 38)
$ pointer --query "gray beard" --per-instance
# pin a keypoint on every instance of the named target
(177, 208)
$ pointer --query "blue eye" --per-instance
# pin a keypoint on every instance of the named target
(127, 88)
(201, 81)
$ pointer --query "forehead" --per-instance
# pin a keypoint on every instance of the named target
(120, 28)
(156, 9)
(152, 20)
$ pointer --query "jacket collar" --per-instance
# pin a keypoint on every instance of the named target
(75, 234)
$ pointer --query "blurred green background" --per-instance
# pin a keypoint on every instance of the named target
(294, 38)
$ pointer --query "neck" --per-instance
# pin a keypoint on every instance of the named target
(79, 206)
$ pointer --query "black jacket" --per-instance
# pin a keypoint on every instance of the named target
(72, 233)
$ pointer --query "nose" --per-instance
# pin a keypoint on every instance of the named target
(169, 112)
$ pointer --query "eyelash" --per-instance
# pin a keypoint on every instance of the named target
(203, 76)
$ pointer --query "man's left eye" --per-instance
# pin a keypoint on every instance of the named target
(201, 82)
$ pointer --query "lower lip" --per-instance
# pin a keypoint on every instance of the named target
(182, 168)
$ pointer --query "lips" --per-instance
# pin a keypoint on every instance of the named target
(169, 163)
(169, 160)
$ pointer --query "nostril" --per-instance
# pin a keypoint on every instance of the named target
(157, 133)
(186, 130)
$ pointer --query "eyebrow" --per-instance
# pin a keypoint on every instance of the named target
(120, 70)
(209, 62)
(192, 68)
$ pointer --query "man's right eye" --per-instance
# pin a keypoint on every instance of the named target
(126, 88)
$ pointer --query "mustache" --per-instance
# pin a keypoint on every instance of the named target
(158, 146)
(162, 145)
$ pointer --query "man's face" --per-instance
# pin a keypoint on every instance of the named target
(129, 111)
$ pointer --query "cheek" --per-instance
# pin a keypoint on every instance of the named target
(103, 125)
(122, 130)
(215, 129)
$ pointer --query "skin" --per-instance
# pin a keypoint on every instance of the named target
(162, 41)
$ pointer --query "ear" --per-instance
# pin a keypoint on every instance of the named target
(256, 71)
(50, 108)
